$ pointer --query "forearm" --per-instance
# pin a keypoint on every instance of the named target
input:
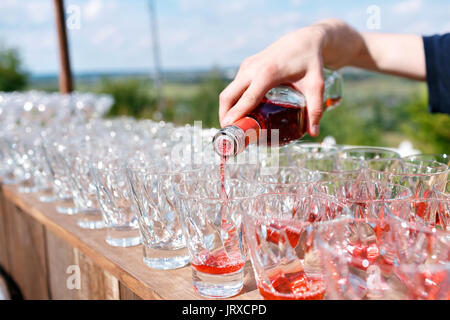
(397, 54)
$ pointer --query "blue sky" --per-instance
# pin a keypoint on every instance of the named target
(114, 35)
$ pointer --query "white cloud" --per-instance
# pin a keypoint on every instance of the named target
(115, 34)
(27, 12)
(419, 27)
(92, 9)
(407, 7)
(39, 11)
(445, 28)
(296, 3)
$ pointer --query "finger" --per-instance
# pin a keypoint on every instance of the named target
(248, 101)
(313, 92)
(230, 95)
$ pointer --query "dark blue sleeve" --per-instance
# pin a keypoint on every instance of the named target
(437, 56)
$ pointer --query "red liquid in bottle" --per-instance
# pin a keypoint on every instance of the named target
(289, 120)
(293, 286)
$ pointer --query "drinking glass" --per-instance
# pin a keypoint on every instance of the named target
(19, 148)
(331, 168)
(432, 212)
(367, 153)
(153, 190)
(211, 216)
(83, 189)
(281, 179)
(282, 246)
(423, 253)
(421, 176)
(366, 198)
(312, 147)
(442, 158)
(115, 200)
(60, 178)
(11, 172)
(360, 251)
(359, 261)
(292, 154)
(42, 175)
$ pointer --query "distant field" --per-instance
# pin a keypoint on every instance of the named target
(376, 109)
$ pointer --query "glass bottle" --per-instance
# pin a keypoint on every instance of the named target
(279, 119)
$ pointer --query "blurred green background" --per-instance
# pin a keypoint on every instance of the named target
(376, 110)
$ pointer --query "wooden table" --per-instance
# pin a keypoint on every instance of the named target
(40, 247)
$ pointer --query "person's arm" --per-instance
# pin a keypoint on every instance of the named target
(298, 58)
(397, 54)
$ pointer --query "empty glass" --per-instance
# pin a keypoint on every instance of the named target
(331, 168)
(366, 198)
(281, 179)
(115, 199)
(442, 158)
(60, 178)
(421, 176)
(19, 148)
(153, 190)
(292, 154)
(367, 153)
(212, 222)
(42, 175)
(84, 193)
(311, 147)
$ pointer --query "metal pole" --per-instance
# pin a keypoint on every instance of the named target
(156, 57)
(65, 75)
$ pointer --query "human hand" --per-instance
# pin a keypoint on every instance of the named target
(296, 59)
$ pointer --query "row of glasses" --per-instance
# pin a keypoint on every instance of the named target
(369, 253)
(418, 267)
(185, 214)
(369, 257)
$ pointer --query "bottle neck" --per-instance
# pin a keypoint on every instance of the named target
(233, 139)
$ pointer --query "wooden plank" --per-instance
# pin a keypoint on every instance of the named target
(66, 262)
(60, 256)
(127, 294)
(26, 252)
(123, 264)
(96, 283)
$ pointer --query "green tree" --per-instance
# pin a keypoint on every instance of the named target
(12, 75)
(205, 103)
(430, 132)
(131, 97)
